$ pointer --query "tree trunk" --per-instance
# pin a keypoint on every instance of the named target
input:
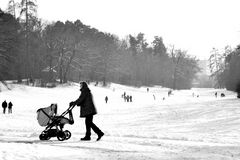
(67, 68)
(174, 78)
(61, 67)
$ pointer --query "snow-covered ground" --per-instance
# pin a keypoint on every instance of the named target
(181, 127)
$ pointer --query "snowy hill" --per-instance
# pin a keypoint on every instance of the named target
(179, 127)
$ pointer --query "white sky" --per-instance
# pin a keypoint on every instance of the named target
(193, 25)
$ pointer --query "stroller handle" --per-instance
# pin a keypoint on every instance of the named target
(69, 109)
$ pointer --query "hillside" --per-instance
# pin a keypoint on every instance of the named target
(179, 127)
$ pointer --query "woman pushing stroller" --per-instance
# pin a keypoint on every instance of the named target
(54, 124)
(88, 110)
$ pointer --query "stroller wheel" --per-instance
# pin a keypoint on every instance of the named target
(61, 136)
(44, 136)
(67, 134)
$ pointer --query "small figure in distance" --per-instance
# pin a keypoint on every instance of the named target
(169, 92)
(10, 107)
(127, 98)
(4, 106)
(130, 98)
(222, 95)
(106, 99)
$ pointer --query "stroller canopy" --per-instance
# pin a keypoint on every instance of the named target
(45, 115)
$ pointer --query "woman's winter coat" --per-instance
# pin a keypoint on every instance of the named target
(86, 102)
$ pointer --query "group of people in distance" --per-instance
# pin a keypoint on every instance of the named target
(6, 105)
(127, 98)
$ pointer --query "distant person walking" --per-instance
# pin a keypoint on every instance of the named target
(106, 99)
(130, 98)
(127, 98)
(222, 95)
(169, 92)
(216, 94)
(4, 106)
(238, 90)
(88, 110)
(10, 107)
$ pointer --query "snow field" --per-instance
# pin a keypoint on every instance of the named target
(179, 127)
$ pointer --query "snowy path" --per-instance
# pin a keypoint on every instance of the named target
(117, 148)
(180, 127)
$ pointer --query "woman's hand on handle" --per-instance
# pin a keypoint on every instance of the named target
(72, 104)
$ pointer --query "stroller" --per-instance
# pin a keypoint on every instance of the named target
(54, 124)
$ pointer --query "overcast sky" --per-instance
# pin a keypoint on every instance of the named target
(193, 25)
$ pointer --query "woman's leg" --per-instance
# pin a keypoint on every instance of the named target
(95, 128)
(88, 123)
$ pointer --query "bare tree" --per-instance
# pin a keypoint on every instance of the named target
(28, 9)
(216, 65)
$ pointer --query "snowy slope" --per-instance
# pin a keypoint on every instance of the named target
(179, 127)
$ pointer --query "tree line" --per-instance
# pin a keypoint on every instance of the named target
(225, 65)
(31, 49)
